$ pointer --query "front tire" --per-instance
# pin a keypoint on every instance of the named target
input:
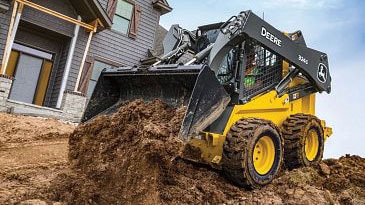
(252, 153)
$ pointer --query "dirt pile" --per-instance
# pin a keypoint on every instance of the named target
(25, 129)
(121, 158)
(33, 151)
(131, 157)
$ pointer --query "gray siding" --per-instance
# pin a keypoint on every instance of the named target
(57, 75)
(76, 59)
(4, 22)
(104, 4)
(50, 22)
(122, 49)
(108, 44)
(39, 18)
(117, 47)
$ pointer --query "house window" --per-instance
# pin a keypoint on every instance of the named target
(96, 71)
(123, 16)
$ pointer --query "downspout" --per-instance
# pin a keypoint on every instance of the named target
(68, 64)
(13, 27)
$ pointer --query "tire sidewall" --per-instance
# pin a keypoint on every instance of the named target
(276, 138)
(313, 124)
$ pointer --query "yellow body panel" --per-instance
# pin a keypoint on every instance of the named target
(267, 106)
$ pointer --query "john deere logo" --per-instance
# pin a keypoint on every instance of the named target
(322, 73)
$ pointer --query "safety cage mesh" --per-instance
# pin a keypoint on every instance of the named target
(263, 71)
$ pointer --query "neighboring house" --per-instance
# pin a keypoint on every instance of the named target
(43, 45)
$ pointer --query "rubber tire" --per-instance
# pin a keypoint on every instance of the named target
(237, 158)
(295, 130)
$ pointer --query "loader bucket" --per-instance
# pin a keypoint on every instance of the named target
(195, 87)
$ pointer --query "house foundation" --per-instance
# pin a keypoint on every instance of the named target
(5, 85)
(73, 105)
(72, 108)
(53, 52)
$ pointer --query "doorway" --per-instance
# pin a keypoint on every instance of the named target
(31, 69)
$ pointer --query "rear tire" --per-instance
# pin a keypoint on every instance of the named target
(252, 153)
(304, 141)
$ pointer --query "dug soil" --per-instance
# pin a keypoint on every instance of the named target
(33, 151)
(133, 157)
(18, 129)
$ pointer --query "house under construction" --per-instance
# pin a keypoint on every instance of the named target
(52, 52)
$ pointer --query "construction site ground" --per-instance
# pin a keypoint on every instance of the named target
(133, 157)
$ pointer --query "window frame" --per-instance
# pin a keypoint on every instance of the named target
(92, 60)
(120, 16)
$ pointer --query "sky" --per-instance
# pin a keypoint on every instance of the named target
(336, 27)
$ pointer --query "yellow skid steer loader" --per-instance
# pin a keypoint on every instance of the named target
(249, 91)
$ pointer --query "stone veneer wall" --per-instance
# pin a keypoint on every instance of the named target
(5, 85)
(72, 109)
(73, 105)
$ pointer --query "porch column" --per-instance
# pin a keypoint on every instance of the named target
(76, 89)
(68, 64)
(13, 27)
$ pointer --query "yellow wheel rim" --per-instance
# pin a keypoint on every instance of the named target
(264, 155)
(311, 145)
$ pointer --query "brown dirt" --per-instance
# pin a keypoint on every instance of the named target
(24, 129)
(132, 157)
(33, 151)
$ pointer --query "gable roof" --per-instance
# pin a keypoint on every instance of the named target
(89, 10)
(162, 5)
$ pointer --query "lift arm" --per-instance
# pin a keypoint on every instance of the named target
(311, 63)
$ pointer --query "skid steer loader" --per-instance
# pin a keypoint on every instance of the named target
(249, 90)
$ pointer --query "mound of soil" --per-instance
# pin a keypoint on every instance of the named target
(121, 158)
(26, 129)
(33, 151)
(132, 157)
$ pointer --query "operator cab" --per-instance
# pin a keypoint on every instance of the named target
(261, 68)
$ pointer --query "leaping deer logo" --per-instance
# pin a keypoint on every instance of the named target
(322, 73)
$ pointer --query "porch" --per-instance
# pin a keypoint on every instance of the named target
(37, 59)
